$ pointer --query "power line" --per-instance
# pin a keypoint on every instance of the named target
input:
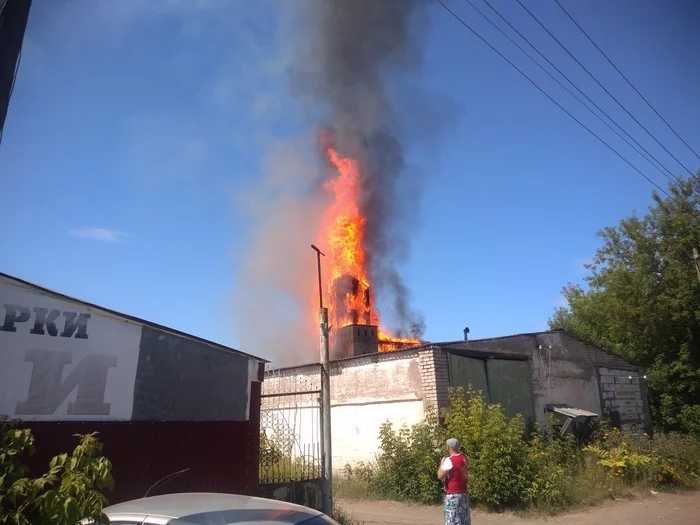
(626, 79)
(666, 174)
(551, 99)
(602, 86)
(660, 165)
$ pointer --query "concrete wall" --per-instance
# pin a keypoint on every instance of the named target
(398, 387)
(559, 373)
(622, 392)
(366, 392)
(563, 369)
(308, 493)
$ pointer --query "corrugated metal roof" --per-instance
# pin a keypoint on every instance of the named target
(127, 317)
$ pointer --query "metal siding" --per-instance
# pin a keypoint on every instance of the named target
(222, 455)
(182, 380)
(509, 385)
(465, 371)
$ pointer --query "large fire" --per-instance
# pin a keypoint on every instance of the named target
(348, 293)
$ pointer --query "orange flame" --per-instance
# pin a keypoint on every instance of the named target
(349, 295)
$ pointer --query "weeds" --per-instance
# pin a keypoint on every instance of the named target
(278, 463)
(345, 518)
(511, 467)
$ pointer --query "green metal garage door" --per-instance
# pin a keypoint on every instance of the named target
(509, 385)
(465, 371)
(503, 381)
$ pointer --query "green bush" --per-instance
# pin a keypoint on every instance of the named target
(71, 490)
(667, 460)
(511, 467)
(500, 461)
(407, 462)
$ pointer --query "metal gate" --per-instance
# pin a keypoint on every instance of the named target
(290, 429)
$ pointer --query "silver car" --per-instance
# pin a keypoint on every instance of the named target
(197, 508)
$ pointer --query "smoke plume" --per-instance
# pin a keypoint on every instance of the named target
(352, 72)
(353, 47)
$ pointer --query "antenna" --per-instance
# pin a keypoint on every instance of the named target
(164, 480)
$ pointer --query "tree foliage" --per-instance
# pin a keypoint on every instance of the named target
(70, 491)
(642, 302)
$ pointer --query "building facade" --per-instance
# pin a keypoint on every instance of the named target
(531, 374)
(162, 401)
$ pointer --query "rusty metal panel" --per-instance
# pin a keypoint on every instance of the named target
(509, 385)
(465, 371)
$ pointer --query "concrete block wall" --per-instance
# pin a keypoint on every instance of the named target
(624, 395)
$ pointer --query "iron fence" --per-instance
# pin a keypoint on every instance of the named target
(290, 428)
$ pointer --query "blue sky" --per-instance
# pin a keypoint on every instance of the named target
(137, 130)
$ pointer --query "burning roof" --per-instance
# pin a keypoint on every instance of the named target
(343, 229)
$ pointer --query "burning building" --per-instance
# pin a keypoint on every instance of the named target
(539, 375)
(349, 190)
(352, 313)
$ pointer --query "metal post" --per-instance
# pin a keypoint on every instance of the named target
(326, 414)
(320, 287)
(13, 23)
(326, 454)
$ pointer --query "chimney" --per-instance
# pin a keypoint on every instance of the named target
(466, 333)
(355, 339)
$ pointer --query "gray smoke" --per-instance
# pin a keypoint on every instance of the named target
(354, 72)
(356, 53)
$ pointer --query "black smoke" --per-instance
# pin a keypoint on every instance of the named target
(355, 54)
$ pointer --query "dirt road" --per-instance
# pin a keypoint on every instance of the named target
(665, 509)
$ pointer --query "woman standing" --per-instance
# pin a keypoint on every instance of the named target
(453, 471)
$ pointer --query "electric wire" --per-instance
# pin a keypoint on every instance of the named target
(660, 164)
(602, 86)
(668, 174)
(626, 79)
(473, 31)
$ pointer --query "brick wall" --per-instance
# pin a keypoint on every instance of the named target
(435, 378)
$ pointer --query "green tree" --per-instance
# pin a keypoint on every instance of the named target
(70, 491)
(642, 302)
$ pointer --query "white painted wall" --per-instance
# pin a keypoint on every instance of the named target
(114, 340)
(365, 393)
(356, 428)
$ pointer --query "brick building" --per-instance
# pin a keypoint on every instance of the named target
(536, 374)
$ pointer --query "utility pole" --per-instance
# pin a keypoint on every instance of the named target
(13, 22)
(326, 455)
(696, 258)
